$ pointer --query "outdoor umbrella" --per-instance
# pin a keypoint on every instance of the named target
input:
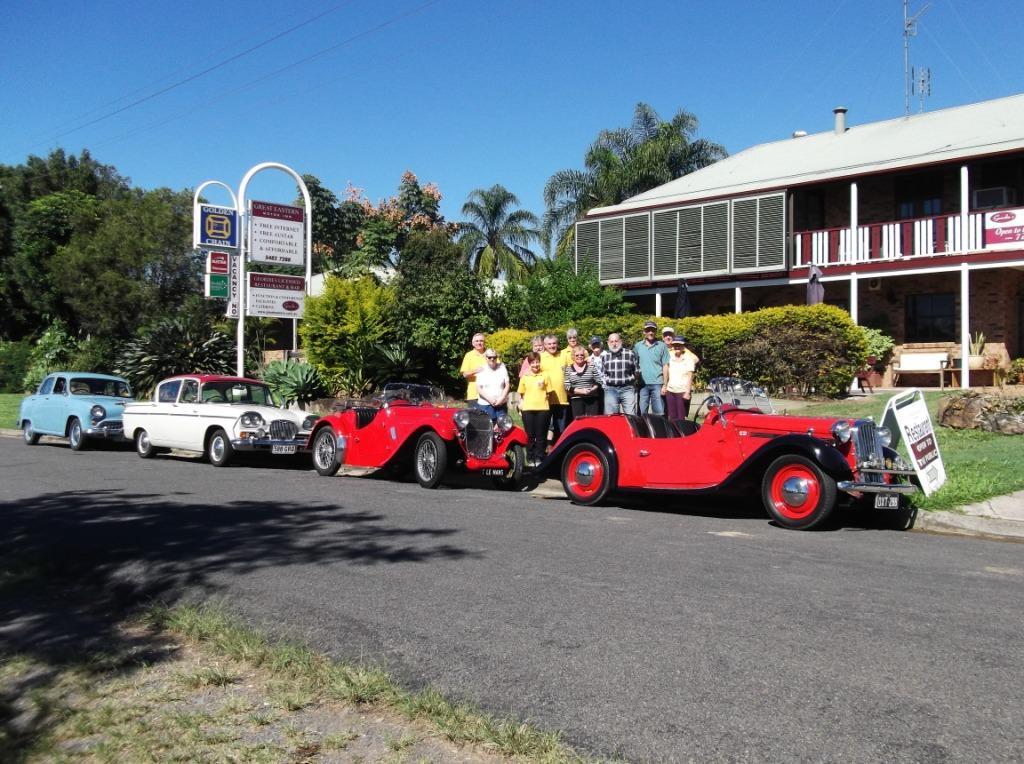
(815, 289)
(682, 300)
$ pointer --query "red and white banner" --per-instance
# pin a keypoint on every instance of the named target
(1004, 229)
(273, 295)
(277, 233)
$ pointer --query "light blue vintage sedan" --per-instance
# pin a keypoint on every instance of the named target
(76, 405)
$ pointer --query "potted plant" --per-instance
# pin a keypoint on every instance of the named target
(879, 346)
(976, 360)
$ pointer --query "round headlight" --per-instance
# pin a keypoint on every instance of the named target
(308, 422)
(884, 435)
(252, 419)
(97, 413)
(504, 423)
(461, 419)
(842, 431)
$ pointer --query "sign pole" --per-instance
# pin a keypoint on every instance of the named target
(244, 244)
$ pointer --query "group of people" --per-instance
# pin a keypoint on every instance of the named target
(557, 385)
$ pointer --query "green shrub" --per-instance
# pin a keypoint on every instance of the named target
(95, 354)
(879, 344)
(51, 353)
(294, 382)
(174, 346)
(15, 358)
(1016, 373)
(512, 346)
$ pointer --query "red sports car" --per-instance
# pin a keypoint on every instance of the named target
(415, 426)
(800, 464)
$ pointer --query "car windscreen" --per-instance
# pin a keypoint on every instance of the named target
(237, 392)
(115, 388)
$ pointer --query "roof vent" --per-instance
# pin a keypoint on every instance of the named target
(840, 112)
(799, 133)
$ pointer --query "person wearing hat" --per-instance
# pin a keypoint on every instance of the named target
(652, 355)
(678, 374)
(667, 333)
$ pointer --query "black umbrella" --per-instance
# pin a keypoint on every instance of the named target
(815, 289)
(682, 309)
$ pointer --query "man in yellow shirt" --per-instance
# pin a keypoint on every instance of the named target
(473, 362)
(558, 398)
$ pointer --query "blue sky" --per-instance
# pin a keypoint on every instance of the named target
(463, 93)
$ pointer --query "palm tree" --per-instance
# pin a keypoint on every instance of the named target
(623, 163)
(496, 236)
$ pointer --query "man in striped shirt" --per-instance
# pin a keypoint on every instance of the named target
(618, 372)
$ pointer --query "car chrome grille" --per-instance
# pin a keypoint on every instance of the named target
(869, 449)
(480, 435)
(282, 429)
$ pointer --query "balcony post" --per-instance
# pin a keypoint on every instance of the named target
(853, 222)
(738, 297)
(965, 328)
(657, 302)
(965, 211)
(853, 297)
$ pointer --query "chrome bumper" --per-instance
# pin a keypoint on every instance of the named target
(107, 430)
(849, 486)
(265, 444)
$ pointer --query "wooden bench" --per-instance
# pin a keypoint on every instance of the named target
(921, 362)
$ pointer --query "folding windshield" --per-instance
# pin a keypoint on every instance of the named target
(227, 391)
(115, 388)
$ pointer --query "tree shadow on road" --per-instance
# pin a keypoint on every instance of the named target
(74, 564)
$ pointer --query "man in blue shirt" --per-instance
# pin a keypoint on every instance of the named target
(652, 355)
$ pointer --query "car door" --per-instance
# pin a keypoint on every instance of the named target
(54, 407)
(701, 460)
(187, 416)
(34, 408)
(158, 422)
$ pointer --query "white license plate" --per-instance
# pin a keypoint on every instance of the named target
(887, 501)
(282, 449)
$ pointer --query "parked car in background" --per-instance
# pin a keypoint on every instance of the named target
(409, 426)
(76, 405)
(215, 415)
(800, 465)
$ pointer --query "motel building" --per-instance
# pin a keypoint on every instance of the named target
(916, 226)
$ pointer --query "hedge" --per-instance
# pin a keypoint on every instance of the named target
(807, 349)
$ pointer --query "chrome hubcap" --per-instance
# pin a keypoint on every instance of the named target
(325, 450)
(584, 474)
(428, 460)
(794, 491)
(143, 442)
(217, 448)
(76, 433)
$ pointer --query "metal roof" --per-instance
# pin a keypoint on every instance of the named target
(961, 132)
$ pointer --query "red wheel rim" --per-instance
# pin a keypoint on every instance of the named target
(584, 474)
(788, 485)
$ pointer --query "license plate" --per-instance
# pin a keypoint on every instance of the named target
(494, 472)
(887, 501)
(282, 449)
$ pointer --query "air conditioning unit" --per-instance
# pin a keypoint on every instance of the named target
(998, 196)
(874, 285)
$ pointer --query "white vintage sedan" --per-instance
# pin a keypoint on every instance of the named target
(217, 416)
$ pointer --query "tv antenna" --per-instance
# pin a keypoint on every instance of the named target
(910, 30)
(923, 82)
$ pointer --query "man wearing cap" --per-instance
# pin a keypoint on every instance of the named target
(492, 386)
(652, 355)
(679, 370)
(618, 375)
(473, 362)
(667, 333)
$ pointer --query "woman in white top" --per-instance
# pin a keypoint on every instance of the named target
(678, 375)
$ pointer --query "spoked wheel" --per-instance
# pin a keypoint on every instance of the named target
(143, 446)
(326, 458)
(31, 436)
(586, 474)
(219, 450)
(513, 477)
(431, 460)
(796, 493)
(76, 438)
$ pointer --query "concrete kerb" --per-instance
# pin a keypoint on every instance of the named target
(1001, 517)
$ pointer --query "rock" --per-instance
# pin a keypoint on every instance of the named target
(982, 411)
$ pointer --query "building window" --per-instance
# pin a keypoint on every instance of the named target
(931, 318)
(918, 195)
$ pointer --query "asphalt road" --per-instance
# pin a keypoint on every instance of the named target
(641, 632)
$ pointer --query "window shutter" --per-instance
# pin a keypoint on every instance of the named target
(716, 237)
(612, 249)
(638, 249)
(771, 232)
(587, 241)
(744, 234)
(691, 240)
(665, 243)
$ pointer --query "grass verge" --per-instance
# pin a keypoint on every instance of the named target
(192, 683)
(9, 405)
(979, 465)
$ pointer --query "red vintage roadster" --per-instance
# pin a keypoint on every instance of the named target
(415, 426)
(799, 464)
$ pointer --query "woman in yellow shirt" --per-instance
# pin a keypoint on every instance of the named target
(533, 403)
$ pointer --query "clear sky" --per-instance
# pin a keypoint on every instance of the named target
(463, 93)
